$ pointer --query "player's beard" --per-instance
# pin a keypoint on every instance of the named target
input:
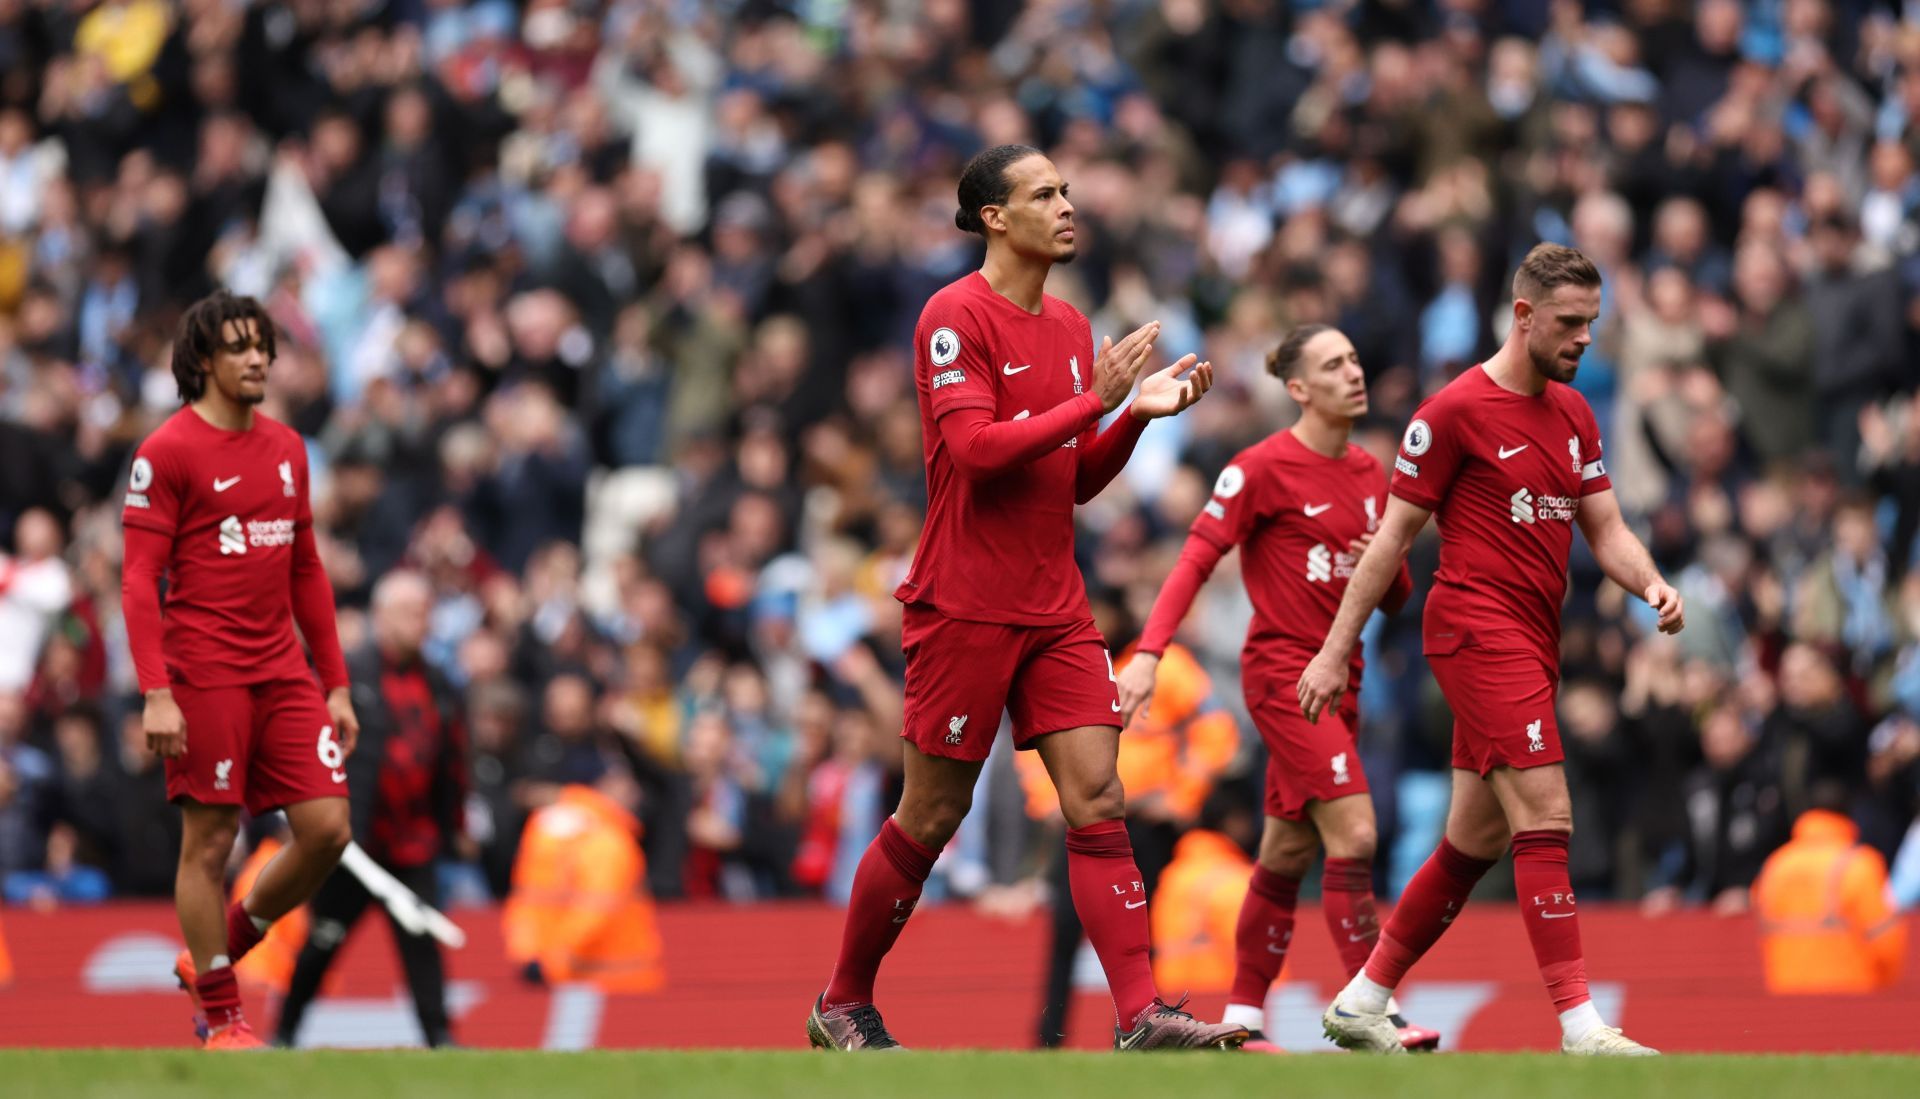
(1552, 367)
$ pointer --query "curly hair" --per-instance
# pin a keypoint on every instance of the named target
(203, 332)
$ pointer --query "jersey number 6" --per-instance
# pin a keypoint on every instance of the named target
(331, 757)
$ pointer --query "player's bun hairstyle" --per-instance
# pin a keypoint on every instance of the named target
(983, 182)
(203, 332)
(1283, 362)
(1549, 266)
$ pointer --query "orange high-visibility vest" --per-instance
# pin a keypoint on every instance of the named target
(1826, 923)
(1176, 751)
(1195, 911)
(579, 904)
(270, 963)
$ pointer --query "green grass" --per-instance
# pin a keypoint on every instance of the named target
(122, 1074)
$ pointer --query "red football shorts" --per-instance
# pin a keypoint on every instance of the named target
(263, 745)
(1503, 708)
(1306, 761)
(961, 675)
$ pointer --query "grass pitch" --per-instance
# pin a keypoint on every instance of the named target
(122, 1074)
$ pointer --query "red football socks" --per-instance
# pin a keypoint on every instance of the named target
(1431, 901)
(219, 996)
(886, 886)
(242, 936)
(1112, 902)
(1546, 903)
(1261, 935)
(1346, 896)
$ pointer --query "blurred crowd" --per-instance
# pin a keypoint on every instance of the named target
(598, 314)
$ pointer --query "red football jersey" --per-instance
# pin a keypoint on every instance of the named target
(1293, 513)
(1503, 474)
(999, 549)
(231, 502)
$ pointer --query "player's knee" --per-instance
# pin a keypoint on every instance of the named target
(1484, 841)
(1353, 841)
(1287, 862)
(1548, 818)
(1288, 854)
(333, 840)
(1093, 802)
(208, 858)
(206, 848)
(326, 839)
(932, 821)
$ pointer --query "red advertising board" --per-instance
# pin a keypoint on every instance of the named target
(745, 976)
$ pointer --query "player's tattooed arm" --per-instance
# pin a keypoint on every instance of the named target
(1625, 560)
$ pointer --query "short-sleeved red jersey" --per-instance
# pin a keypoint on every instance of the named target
(999, 549)
(1293, 513)
(231, 502)
(1503, 473)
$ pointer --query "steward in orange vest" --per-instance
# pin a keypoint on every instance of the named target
(1827, 925)
(579, 909)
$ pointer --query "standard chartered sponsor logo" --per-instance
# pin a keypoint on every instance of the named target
(1324, 564)
(237, 538)
(1319, 564)
(270, 532)
(232, 539)
(1525, 507)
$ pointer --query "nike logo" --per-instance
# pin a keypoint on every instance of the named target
(1116, 707)
(1280, 950)
(1023, 414)
(1136, 904)
(899, 919)
(1128, 1041)
(222, 486)
(1009, 370)
(1505, 453)
(1358, 938)
(1312, 511)
(1556, 915)
(339, 776)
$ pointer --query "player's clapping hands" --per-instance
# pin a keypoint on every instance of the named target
(1667, 604)
(1166, 393)
(1118, 365)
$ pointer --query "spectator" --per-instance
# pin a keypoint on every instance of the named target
(34, 588)
(1858, 342)
(579, 909)
(1737, 809)
(1764, 355)
(408, 783)
(1826, 925)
